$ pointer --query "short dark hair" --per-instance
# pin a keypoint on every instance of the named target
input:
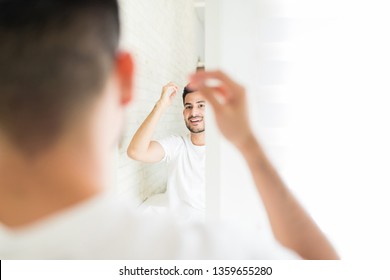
(186, 91)
(55, 55)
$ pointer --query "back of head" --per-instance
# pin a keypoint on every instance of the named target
(55, 57)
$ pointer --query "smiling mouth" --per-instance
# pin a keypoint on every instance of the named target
(195, 120)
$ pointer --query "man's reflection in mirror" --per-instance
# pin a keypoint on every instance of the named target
(184, 155)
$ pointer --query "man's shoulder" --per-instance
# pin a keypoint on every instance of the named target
(173, 137)
(173, 141)
(107, 228)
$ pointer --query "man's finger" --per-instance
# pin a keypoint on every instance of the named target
(211, 95)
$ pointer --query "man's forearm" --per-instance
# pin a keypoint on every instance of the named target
(142, 138)
(291, 225)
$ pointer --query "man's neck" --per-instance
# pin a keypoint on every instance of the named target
(198, 139)
(31, 190)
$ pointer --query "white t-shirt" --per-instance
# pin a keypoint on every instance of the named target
(105, 227)
(186, 171)
(185, 194)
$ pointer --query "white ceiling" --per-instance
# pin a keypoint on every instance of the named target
(199, 3)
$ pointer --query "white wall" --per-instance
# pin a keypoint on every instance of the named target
(161, 36)
(200, 29)
(317, 75)
(342, 131)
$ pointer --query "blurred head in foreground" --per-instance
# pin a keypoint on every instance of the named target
(63, 88)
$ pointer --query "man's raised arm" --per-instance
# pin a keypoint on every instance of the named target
(291, 225)
(141, 147)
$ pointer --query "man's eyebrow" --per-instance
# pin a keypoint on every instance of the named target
(197, 102)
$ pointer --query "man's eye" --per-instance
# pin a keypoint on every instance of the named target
(202, 105)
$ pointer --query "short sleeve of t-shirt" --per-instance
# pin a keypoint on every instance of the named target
(170, 145)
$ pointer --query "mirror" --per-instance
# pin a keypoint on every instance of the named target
(316, 74)
(166, 39)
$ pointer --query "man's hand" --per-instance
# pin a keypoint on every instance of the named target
(168, 93)
(228, 100)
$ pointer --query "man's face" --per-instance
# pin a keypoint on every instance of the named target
(194, 110)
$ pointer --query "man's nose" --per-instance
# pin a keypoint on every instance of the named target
(195, 112)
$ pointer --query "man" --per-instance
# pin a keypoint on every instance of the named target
(63, 89)
(185, 156)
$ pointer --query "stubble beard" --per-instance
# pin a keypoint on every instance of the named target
(195, 129)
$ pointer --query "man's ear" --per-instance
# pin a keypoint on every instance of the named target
(125, 74)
